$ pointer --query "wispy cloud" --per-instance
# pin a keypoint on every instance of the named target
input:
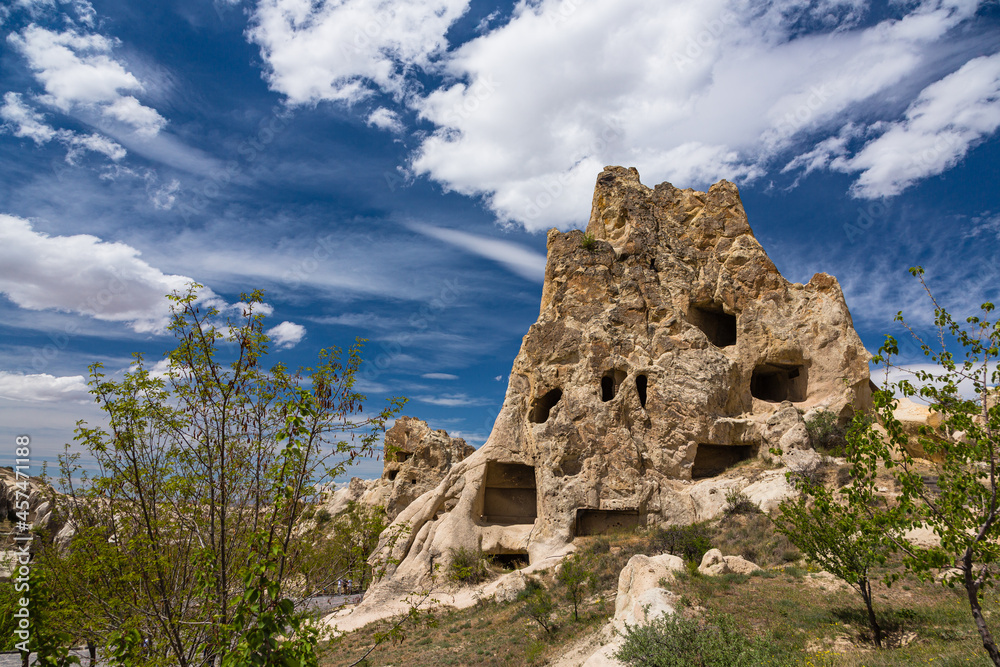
(520, 260)
(439, 376)
(459, 400)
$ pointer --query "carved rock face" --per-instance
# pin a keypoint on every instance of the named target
(665, 351)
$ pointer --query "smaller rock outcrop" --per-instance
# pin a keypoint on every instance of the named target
(416, 459)
(714, 564)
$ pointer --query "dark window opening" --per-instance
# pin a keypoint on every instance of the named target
(509, 496)
(511, 561)
(401, 456)
(640, 386)
(542, 406)
(609, 384)
(599, 522)
(712, 460)
(720, 327)
(413, 481)
(775, 383)
(652, 264)
(392, 475)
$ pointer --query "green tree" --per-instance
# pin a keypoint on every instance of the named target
(574, 577)
(846, 532)
(203, 471)
(961, 506)
(537, 604)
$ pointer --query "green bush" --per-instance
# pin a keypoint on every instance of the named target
(826, 434)
(688, 542)
(588, 242)
(738, 502)
(536, 604)
(468, 566)
(674, 641)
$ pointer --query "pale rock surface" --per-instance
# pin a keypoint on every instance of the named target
(913, 416)
(416, 460)
(664, 353)
(714, 564)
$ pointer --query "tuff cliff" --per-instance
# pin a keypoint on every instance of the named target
(668, 348)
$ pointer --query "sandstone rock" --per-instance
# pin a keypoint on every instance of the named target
(660, 356)
(641, 596)
(714, 564)
(913, 416)
(416, 460)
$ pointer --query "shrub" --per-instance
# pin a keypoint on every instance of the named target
(826, 434)
(588, 242)
(537, 604)
(688, 542)
(674, 641)
(468, 566)
(738, 502)
(323, 516)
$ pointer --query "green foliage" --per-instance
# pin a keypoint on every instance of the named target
(588, 242)
(185, 533)
(574, 577)
(737, 502)
(689, 542)
(537, 604)
(323, 516)
(963, 505)
(671, 640)
(272, 633)
(340, 551)
(468, 566)
(825, 433)
(846, 532)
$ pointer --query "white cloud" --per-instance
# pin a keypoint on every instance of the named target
(454, 400)
(939, 128)
(42, 387)
(164, 197)
(439, 376)
(384, 119)
(526, 263)
(905, 371)
(84, 275)
(23, 121)
(77, 72)
(92, 142)
(688, 91)
(334, 50)
(287, 334)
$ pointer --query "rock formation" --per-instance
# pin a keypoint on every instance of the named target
(668, 348)
(416, 460)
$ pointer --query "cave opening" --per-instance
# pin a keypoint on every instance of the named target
(609, 384)
(719, 326)
(542, 406)
(713, 460)
(600, 522)
(776, 383)
(511, 561)
(509, 494)
(391, 475)
(641, 382)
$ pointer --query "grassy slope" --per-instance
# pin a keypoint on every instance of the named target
(812, 619)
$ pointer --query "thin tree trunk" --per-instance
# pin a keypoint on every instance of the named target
(866, 594)
(92, 650)
(972, 588)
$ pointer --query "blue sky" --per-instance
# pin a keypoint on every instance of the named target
(388, 168)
